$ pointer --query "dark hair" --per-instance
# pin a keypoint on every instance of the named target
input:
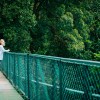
(0, 42)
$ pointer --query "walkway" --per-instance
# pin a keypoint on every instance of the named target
(7, 92)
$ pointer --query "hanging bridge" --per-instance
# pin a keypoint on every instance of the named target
(40, 77)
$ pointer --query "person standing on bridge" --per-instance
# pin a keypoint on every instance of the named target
(2, 50)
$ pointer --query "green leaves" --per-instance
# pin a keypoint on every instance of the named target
(97, 56)
(53, 27)
(18, 21)
(66, 22)
(10, 12)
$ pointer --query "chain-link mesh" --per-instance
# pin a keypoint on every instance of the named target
(15, 68)
(52, 78)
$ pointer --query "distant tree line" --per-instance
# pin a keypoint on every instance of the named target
(64, 28)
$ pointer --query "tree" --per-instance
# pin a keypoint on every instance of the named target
(53, 27)
(17, 22)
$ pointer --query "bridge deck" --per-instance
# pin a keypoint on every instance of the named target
(7, 92)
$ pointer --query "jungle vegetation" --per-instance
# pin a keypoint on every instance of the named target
(63, 28)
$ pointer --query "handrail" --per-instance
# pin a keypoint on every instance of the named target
(77, 61)
(53, 78)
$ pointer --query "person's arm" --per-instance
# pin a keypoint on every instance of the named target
(4, 49)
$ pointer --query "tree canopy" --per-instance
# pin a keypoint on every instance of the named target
(62, 28)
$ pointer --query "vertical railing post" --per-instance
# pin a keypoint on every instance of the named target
(7, 64)
(60, 78)
(14, 72)
(28, 78)
(18, 71)
(53, 82)
(8, 68)
(37, 80)
(55, 76)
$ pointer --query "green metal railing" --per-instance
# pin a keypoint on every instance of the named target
(41, 77)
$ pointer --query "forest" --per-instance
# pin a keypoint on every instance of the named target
(63, 28)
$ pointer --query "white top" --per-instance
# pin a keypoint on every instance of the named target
(2, 50)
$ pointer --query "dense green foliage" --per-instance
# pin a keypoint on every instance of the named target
(53, 27)
(16, 22)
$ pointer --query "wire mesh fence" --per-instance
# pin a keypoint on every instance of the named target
(41, 77)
